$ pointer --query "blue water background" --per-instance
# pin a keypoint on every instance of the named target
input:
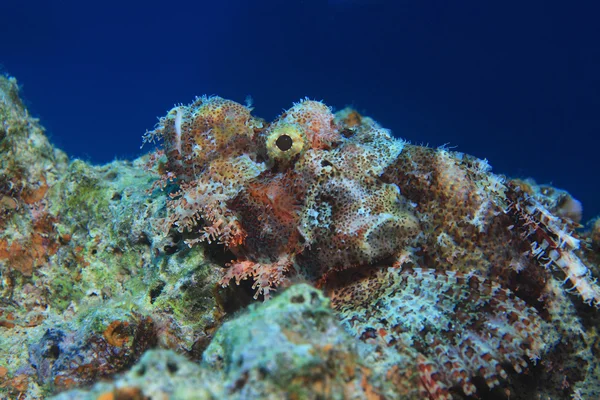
(517, 83)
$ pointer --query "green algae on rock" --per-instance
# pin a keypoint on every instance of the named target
(81, 258)
(290, 347)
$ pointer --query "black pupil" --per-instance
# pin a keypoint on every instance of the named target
(284, 142)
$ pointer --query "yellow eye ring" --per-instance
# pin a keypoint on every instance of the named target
(285, 142)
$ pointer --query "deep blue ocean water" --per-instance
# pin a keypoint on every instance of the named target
(517, 83)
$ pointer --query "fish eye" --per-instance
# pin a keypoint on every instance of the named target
(284, 142)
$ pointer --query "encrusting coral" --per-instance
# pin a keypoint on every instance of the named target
(435, 278)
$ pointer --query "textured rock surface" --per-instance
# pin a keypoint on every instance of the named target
(88, 278)
(292, 346)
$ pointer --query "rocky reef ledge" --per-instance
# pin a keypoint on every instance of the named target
(312, 257)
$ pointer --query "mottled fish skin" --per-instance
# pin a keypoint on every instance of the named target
(315, 196)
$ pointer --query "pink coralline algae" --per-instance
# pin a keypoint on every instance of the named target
(451, 277)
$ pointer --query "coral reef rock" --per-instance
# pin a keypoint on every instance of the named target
(314, 256)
